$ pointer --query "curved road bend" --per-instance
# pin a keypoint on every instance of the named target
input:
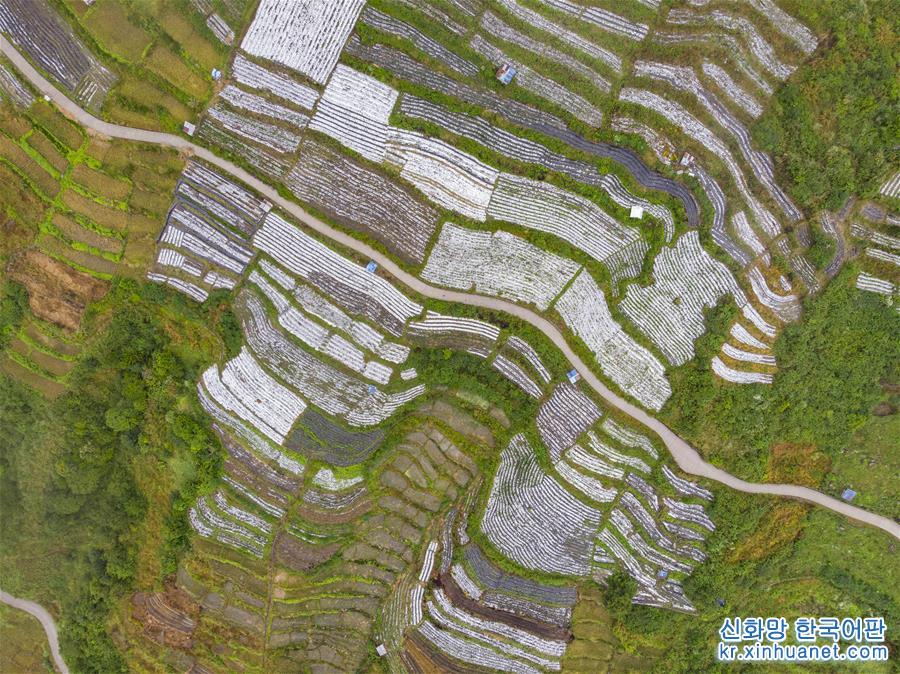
(46, 621)
(687, 458)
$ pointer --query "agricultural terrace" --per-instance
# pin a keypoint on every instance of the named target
(409, 112)
(334, 357)
(162, 55)
(82, 211)
(347, 465)
(323, 339)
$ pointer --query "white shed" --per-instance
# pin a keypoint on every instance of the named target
(637, 212)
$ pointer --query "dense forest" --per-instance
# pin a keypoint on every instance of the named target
(832, 365)
(833, 128)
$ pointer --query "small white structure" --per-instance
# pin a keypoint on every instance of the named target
(381, 650)
(188, 128)
(573, 376)
(637, 212)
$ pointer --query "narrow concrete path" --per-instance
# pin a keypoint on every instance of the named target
(687, 458)
(46, 621)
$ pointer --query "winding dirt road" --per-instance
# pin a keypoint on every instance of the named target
(46, 621)
(687, 458)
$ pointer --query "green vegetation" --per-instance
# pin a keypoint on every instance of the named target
(870, 463)
(76, 486)
(461, 371)
(97, 484)
(831, 367)
(832, 129)
(13, 308)
(23, 644)
(824, 563)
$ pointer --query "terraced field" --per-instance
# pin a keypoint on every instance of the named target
(315, 541)
(162, 55)
(409, 484)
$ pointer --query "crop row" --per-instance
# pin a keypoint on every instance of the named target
(253, 103)
(305, 36)
(388, 24)
(328, 388)
(605, 19)
(539, 85)
(685, 79)
(756, 43)
(688, 273)
(516, 375)
(246, 390)
(318, 337)
(499, 264)
(499, 29)
(694, 128)
(324, 310)
(362, 198)
(254, 76)
(629, 365)
(528, 151)
(533, 520)
(546, 208)
(564, 417)
(264, 134)
(35, 27)
(14, 88)
(310, 260)
(571, 38)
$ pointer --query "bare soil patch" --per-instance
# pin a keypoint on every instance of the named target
(300, 556)
(56, 292)
(169, 617)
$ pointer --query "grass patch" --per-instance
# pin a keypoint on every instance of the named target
(23, 644)
(78, 257)
(779, 527)
(195, 45)
(11, 123)
(156, 203)
(165, 63)
(110, 218)
(20, 162)
(75, 231)
(869, 463)
(45, 362)
(45, 337)
(54, 122)
(100, 183)
(40, 142)
(47, 387)
(797, 464)
(139, 99)
(111, 27)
